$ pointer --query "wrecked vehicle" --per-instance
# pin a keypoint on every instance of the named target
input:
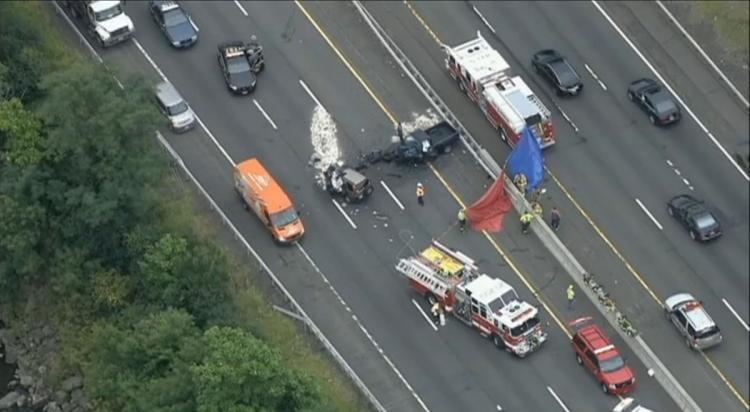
(344, 181)
(420, 146)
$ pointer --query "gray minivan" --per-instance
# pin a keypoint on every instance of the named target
(174, 108)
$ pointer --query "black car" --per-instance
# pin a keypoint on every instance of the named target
(174, 22)
(697, 219)
(239, 63)
(556, 69)
(655, 101)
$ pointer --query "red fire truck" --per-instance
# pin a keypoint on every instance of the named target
(481, 302)
(507, 102)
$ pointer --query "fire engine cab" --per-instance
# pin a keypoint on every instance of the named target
(507, 102)
(481, 302)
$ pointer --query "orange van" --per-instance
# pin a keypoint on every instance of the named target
(261, 193)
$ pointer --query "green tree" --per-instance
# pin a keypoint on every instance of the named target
(181, 273)
(240, 373)
(27, 51)
(145, 367)
(100, 157)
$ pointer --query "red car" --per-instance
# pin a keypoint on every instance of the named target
(596, 352)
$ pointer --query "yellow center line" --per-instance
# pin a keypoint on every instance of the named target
(606, 240)
(393, 119)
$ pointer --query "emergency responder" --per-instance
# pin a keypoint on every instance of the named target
(420, 194)
(526, 219)
(521, 183)
(571, 294)
(554, 219)
(462, 219)
(436, 312)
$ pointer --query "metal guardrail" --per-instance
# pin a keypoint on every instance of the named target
(306, 320)
(561, 253)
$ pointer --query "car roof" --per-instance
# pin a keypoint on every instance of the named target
(267, 188)
(597, 340)
(693, 310)
(167, 93)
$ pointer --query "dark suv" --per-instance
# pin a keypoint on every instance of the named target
(655, 101)
(596, 352)
(693, 214)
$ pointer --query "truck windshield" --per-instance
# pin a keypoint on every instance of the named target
(524, 327)
(284, 218)
(109, 13)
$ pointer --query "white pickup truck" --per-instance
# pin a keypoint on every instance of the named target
(104, 19)
(630, 405)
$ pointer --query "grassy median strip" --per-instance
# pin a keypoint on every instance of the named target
(732, 19)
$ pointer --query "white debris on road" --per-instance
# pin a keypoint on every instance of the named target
(324, 136)
(420, 121)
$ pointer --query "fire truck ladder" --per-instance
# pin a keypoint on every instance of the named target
(421, 273)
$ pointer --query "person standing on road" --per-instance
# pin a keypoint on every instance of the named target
(554, 219)
(420, 194)
(526, 219)
(462, 219)
(571, 296)
(436, 313)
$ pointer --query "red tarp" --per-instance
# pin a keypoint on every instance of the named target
(489, 211)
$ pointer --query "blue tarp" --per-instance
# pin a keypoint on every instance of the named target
(527, 158)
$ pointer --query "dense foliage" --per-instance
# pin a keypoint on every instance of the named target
(81, 217)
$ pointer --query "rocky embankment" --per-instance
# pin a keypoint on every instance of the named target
(34, 349)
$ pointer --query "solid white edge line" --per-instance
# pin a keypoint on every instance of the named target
(197, 118)
(343, 212)
(702, 53)
(557, 398)
(364, 331)
(486, 23)
(646, 211)
(395, 199)
(310, 93)
(242, 9)
(427, 318)
(671, 90)
(263, 112)
(736, 315)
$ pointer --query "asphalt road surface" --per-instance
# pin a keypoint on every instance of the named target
(449, 369)
(614, 158)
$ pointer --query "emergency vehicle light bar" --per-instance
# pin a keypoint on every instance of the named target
(604, 349)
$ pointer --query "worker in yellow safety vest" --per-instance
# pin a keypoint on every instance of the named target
(462, 219)
(571, 294)
(526, 219)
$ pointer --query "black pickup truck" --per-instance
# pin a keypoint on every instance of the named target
(419, 146)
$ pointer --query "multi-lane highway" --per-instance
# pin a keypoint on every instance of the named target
(323, 57)
(614, 158)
